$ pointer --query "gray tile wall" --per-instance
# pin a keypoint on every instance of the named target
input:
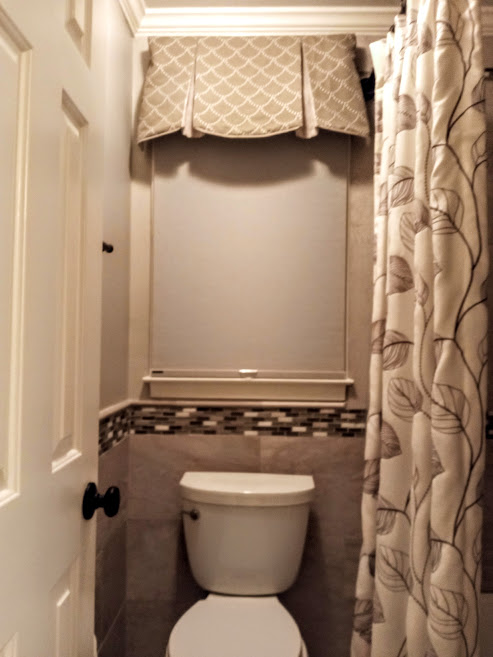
(143, 581)
(160, 587)
(111, 556)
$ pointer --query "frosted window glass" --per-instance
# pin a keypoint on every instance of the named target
(249, 256)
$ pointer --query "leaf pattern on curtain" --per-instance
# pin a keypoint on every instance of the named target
(417, 592)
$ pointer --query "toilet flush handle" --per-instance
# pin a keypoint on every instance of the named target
(194, 514)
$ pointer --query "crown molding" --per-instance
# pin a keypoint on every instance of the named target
(198, 21)
(134, 12)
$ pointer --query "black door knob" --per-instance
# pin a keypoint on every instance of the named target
(92, 500)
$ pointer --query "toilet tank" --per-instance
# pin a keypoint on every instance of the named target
(245, 532)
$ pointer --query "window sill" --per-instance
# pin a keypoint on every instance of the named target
(250, 389)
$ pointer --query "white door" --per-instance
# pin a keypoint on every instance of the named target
(51, 72)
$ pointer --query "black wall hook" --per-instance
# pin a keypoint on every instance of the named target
(108, 248)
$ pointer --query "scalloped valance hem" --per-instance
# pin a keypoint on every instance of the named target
(252, 87)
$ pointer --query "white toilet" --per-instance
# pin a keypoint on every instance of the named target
(245, 534)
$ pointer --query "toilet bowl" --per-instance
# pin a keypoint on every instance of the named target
(244, 534)
(226, 626)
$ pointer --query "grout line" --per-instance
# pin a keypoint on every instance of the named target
(158, 418)
(120, 610)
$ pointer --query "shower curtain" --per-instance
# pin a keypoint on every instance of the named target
(418, 584)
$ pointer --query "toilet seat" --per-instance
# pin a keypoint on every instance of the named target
(221, 626)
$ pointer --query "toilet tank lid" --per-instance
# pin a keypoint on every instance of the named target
(247, 488)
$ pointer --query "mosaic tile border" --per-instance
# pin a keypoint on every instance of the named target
(113, 429)
(255, 421)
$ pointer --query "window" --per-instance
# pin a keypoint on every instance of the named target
(249, 268)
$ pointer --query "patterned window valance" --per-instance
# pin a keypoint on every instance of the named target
(252, 87)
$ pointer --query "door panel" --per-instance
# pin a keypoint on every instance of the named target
(66, 601)
(51, 118)
(79, 25)
(15, 77)
(10, 648)
(67, 441)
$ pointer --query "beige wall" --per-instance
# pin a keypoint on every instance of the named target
(249, 244)
(360, 267)
(116, 228)
(140, 238)
(359, 259)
